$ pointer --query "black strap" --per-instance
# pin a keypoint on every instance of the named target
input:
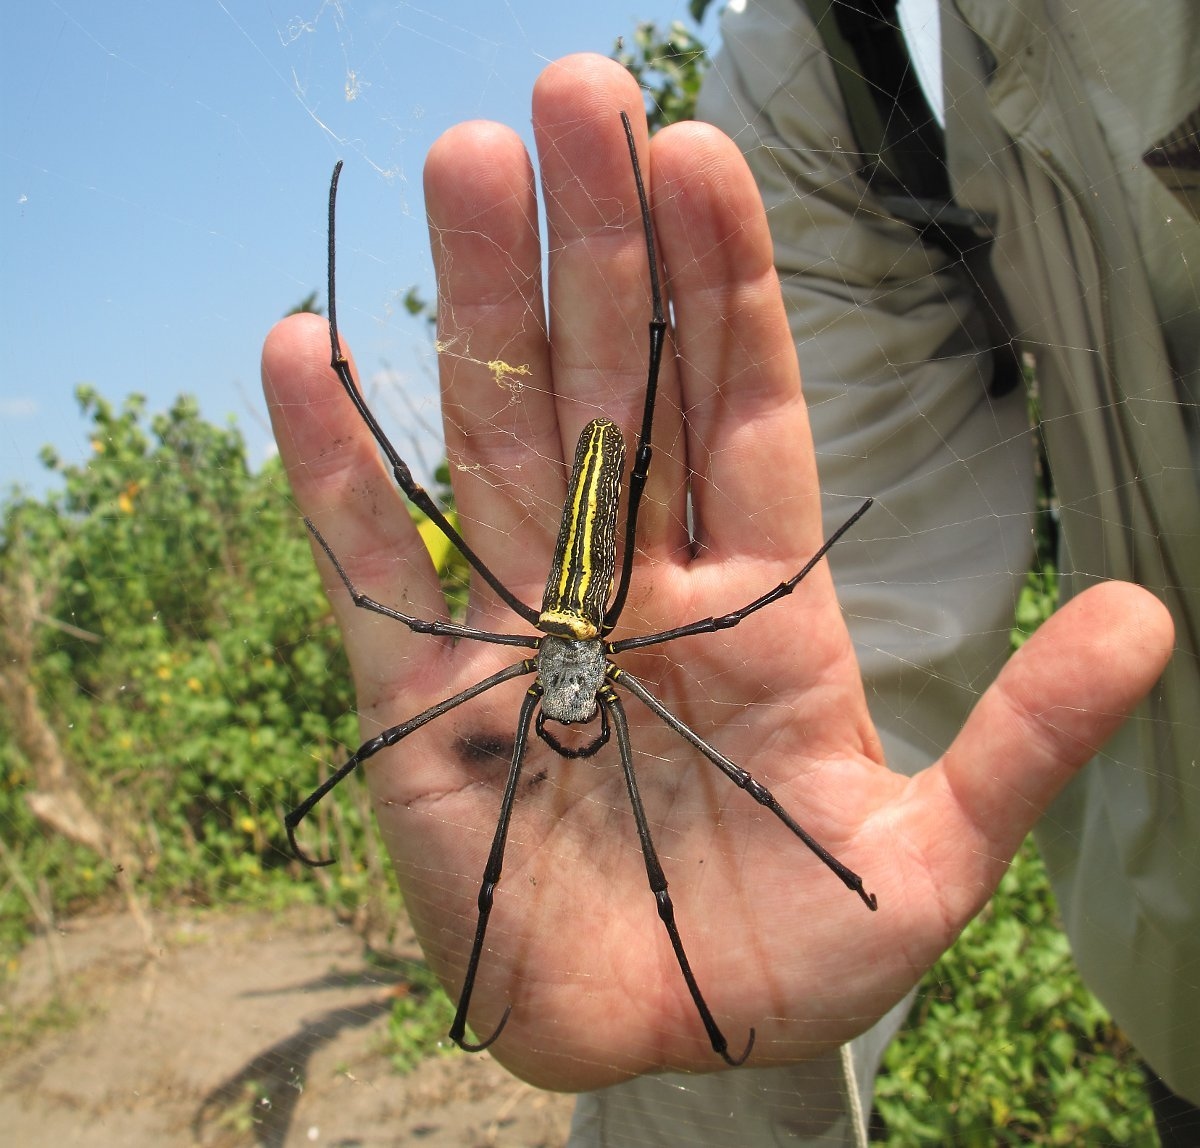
(904, 151)
(903, 146)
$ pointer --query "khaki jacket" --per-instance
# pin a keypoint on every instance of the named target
(1049, 117)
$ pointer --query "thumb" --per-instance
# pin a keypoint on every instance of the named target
(1057, 701)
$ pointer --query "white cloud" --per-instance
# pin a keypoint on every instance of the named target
(23, 408)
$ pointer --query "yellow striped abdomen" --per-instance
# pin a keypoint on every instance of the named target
(585, 558)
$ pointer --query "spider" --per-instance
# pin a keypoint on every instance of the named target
(575, 681)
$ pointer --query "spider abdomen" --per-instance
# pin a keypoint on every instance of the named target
(585, 556)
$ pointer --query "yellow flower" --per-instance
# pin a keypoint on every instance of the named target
(436, 543)
(126, 497)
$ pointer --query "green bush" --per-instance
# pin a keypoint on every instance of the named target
(1005, 1045)
(186, 661)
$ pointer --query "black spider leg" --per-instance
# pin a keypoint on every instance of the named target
(658, 881)
(412, 489)
(491, 878)
(384, 740)
(417, 625)
(590, 750)
(727, 621)
(658, 332)
(743, 780)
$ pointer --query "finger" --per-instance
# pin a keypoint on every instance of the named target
(498, 410)
(749, 441)
(1062, 695)
(340, 483)
(600, 295)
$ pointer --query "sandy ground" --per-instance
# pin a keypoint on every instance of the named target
(246, 1030)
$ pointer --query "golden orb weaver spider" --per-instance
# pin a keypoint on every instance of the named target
(575, 680)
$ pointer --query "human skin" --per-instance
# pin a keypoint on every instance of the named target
(777, 943)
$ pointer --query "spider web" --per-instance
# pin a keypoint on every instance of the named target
(167, 173)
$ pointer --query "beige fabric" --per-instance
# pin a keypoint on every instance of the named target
(821, 1104)
(1102, 270)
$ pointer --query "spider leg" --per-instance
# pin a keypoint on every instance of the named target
(412, 489)
(491, 878)
(658, 332)
(390, 737)
(589, 750)
(727, 621)
(658, 882)
(744, 780)
(417, 625)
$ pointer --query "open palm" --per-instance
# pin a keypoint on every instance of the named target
(777, 942)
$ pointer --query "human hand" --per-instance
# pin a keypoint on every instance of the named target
(777, 943)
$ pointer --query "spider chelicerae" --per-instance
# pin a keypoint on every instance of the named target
(575, 680)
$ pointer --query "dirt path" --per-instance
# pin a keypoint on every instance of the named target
(248, 1030)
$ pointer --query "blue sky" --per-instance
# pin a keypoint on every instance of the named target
(165, 170)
